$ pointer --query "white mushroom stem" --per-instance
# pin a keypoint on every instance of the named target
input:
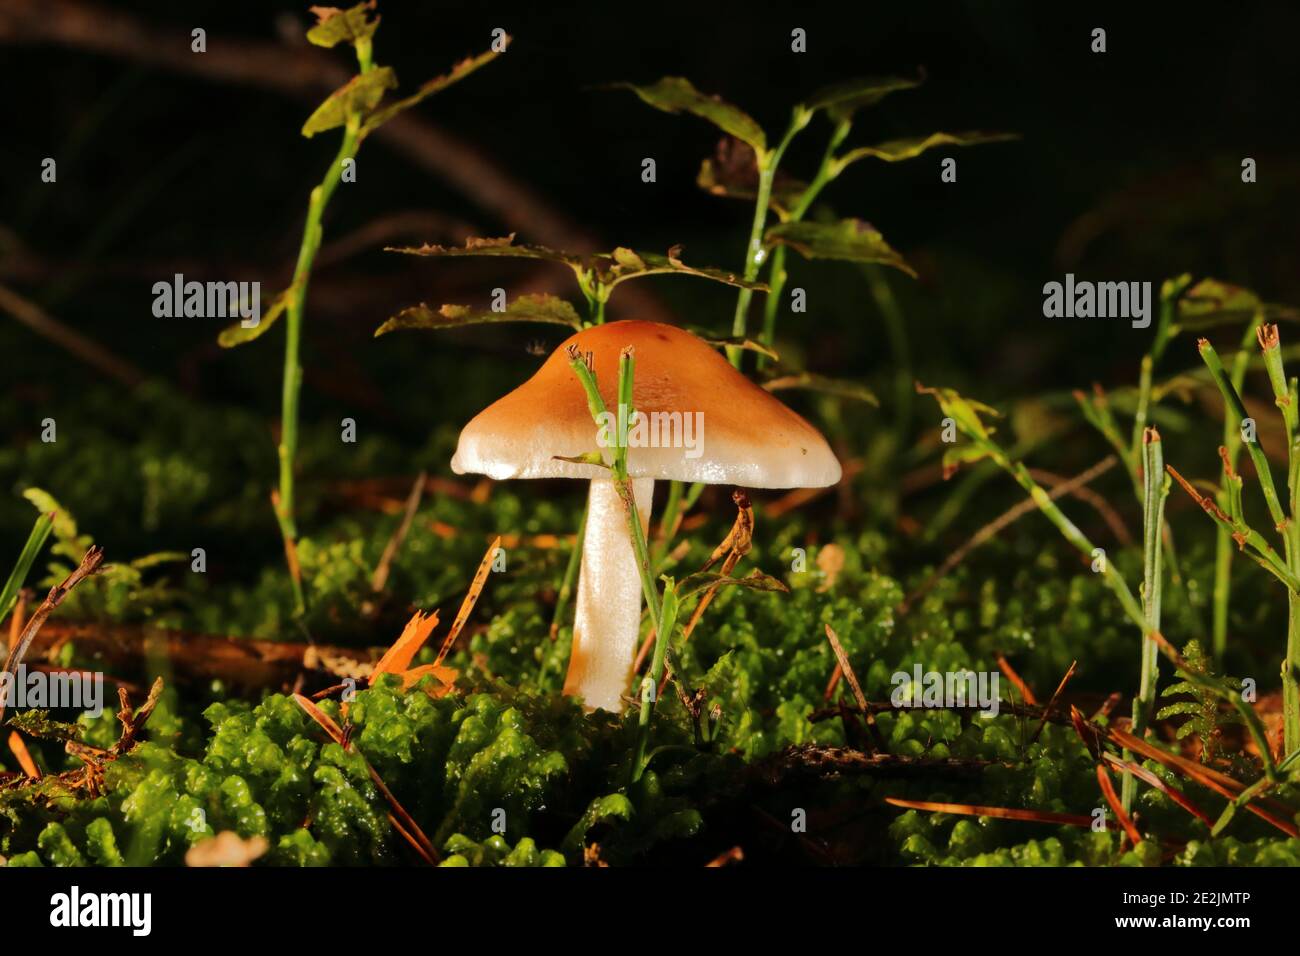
(607, 616)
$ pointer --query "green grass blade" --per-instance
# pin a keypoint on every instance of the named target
(35, 541)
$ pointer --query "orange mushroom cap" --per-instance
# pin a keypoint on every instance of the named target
(743, 435)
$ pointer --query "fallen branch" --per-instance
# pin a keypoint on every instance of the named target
(242, 662)
(813, 760)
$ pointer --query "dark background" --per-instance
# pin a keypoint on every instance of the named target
(1128, 168)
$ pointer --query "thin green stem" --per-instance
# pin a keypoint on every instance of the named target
(596, 405)
(776, 271)
(1223, 544)
(565, 594)
(755, 251)
(650, 683)
(1155, 491)
(672, 507)
(1235, 405)
(292, 384)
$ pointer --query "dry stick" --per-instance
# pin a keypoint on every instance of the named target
(1116, 806)
(727, 857)
(133, 720)
(1004, 813)
(834, 682)
(1004, 665)
(1221, 784)
(24, 758)
(1007, 518)
(407, 827)
(471, 598)
(18, 615)
(1174, 794)
(89, 565)
(92, 353)
(737, 544)
(380, 578)
(1098, 502)
(885, 707)
(801, 496)
(243, 661)
(1051, 703)
(1263, 554)
(844, 665)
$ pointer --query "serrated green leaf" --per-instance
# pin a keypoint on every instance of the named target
(810, 382)
(547, 309)
(733, 342)
(238, 334)
(1210, 303)
(754, 581)
(897, 150)
(675, 94)
(849, 239)
(436, 85)
(842, 100)
(504, 247)
(623, 264)
(732, 182)
(335, 26)
(608, 268)
(359, 95)
(965, 412)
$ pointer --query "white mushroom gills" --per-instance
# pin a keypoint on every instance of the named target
(607, 614)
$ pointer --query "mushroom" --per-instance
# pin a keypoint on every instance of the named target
(698, 420)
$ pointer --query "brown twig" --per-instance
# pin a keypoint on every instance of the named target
(18, 615)
(404, 823)
(1173, 793)
(819, 761)
(842, 663)
(380, 578)
(727, 857)
(1004, 813)
(801, 496)
(90, 564)
(1026, 694)
(19, 749)
(737, 544)
(244, 662)
(1052, 703)
(133, 720)
(734, 546)
(1116, 806)
(1004, 520)
(471, 598)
